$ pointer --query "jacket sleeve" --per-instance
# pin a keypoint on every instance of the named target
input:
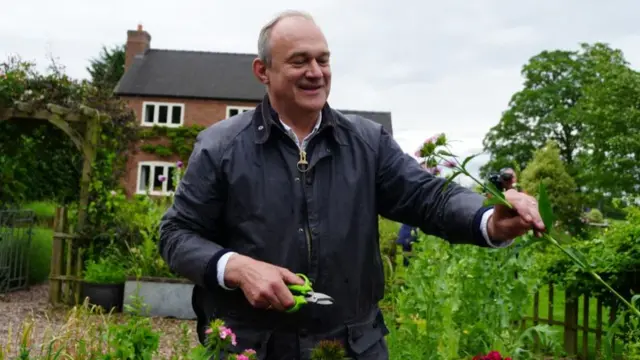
(189, 237)
(408, 194)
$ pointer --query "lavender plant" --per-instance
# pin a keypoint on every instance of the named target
(436, 153)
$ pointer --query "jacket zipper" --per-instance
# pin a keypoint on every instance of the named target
(303, 166)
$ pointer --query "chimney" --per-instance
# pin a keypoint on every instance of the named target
(138, 43)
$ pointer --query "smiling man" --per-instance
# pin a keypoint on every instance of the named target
(296, 187)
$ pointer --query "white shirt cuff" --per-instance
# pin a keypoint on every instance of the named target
(221, 266)
(484, 224)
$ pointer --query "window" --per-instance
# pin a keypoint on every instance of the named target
(162, 114)
(156, 177)
(235, 110)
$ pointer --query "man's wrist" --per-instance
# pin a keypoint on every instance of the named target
(487, 226)
(222, 267)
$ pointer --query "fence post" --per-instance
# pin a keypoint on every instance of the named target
(59, 227)
(570, 324)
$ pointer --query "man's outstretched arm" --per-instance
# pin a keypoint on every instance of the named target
(409, 194)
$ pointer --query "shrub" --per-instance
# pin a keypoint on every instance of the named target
(595, 216)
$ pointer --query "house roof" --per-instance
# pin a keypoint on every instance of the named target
(203, 75)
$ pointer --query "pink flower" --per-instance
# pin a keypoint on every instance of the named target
(208, 331)
(494, 355)
(179, 164)
(449, 164)
(249, 352)
(225, 331)
(242, 357)
(162, 178)
(431, 139)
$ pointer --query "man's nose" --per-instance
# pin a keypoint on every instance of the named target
(314, 70)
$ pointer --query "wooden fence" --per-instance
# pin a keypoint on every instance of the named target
(66, 262)
(573, 330)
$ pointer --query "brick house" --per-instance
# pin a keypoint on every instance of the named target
(174, 88)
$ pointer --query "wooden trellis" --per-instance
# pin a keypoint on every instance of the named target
(65, 250)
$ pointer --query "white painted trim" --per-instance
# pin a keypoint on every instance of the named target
(240, 108)
(156, 112)
(152, 176)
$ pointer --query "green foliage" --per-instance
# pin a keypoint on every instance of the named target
(40, 255)
(107, 69)
(586, 101)
(457, 301)
(44, 212)
(38, 160)
(547, 168)
(181, 140)
(107, 269)
(594, 216)
(615, 255)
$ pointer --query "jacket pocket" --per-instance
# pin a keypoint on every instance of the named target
(366, 340)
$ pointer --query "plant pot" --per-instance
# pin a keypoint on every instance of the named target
(164, 297)
(107, 296)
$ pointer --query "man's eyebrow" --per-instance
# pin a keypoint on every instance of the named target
(306, 54)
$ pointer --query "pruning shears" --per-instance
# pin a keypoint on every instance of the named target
(304, 294)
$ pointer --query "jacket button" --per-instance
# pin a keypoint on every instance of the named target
(300, 230)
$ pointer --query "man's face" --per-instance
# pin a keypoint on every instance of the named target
(299, 76)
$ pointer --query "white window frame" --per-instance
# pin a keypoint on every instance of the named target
(152, 166)
(156, 112)
(240, 109)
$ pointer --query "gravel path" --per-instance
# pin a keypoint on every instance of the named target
(18, 306)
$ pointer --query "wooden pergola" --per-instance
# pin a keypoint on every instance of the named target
(86, 142)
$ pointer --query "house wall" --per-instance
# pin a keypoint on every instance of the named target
(202, 112)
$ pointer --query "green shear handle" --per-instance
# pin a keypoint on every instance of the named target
(304, 294)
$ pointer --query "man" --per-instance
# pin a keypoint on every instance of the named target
(296, 187)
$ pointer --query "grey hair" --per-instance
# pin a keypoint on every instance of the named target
(264, 39)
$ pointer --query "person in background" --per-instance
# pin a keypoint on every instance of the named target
(505, 180)
(407, 235)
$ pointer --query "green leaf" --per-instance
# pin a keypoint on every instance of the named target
(492, 201)
(469, 158)
(450, 179)
(544, 207)
(445, 153)
(578, 258)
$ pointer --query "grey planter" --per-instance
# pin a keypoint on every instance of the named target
(162, 297)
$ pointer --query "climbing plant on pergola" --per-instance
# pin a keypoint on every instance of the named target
(42, 162)
(85, 140)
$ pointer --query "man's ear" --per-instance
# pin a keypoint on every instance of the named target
(260, 71)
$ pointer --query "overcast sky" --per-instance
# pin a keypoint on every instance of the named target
(437, 67)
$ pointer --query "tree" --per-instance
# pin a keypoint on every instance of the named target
(107, 69)
(546, 167)
(574, 98)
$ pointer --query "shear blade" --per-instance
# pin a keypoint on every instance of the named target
(319, 298)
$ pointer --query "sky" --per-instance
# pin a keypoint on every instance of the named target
(438, 67)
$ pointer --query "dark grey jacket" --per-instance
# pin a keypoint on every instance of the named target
(244, 191)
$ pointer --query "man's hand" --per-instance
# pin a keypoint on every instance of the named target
(264, 285)
(506, 224)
